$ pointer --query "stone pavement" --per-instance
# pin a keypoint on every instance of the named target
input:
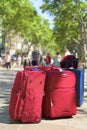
(77, 122)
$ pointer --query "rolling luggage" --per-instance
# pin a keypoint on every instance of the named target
(59, 99)
(79, 86)
(71, 61)
(26, 96)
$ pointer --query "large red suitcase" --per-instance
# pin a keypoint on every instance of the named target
(59, 98)
(26, 96)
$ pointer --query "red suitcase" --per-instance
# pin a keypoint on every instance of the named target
(60, 98)
(15, 99)
(26, 96)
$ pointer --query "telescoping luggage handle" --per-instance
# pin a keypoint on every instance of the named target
(50, 68)
(53, 68)
(56, 68)
(43, 68)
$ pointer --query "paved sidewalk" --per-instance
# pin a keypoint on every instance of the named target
(77, 122)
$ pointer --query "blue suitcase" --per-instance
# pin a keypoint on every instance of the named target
(71, 61)
(79, 86)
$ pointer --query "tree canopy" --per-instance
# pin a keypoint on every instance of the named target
(19, 17)
(70, 23)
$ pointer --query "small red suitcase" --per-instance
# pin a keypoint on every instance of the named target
(60, 98)
(26, 96)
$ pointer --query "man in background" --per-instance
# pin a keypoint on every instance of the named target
(35, 57)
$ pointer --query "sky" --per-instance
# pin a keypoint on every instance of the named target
(37, 4)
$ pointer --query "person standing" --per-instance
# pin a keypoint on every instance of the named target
(57, 59)
(35, 57)
(26, 63)
(0, 60)
(48, 59)
(8, 60)
(40, 59)
(19, 60)
(67, 52)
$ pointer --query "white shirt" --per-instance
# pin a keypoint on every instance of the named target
(8, 58)
(67, 53)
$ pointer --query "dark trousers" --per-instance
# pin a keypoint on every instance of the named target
(34, 62)
(8, 65)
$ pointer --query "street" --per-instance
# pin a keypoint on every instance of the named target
(77, 122)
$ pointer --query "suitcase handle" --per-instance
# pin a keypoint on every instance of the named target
(56, 68)
(48, 68)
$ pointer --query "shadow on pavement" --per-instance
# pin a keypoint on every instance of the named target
(59, 118)
(5, 116)
(83, 112)
(6, 83)
(85, 89)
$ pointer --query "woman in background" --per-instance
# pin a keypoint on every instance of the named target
(57, 59)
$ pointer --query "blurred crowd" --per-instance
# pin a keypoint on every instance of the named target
(35, 59)
(9, 61)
